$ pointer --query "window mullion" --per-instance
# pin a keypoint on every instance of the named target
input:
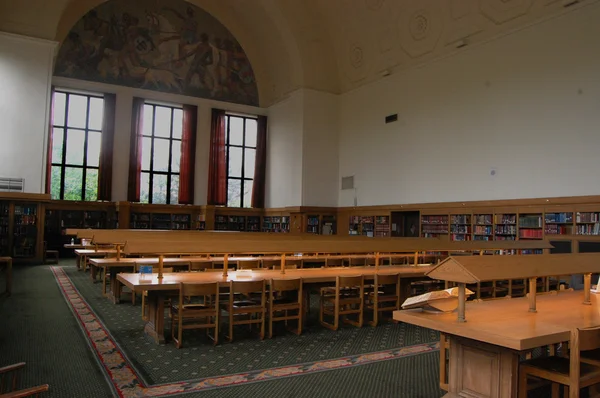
(151, 175)
(64, 149)
(85, 145)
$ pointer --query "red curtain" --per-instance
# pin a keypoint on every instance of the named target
(217, 176)
(106, 149)
(260, 168)
(188, 155)
(135, 150)
(49, 149)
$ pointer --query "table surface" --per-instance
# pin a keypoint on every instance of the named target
(508, 322)
(171, 281)
(100, 252)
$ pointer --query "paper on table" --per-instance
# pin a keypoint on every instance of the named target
(423, 299)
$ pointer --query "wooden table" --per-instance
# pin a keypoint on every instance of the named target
(84, 254)
(8, 272)
(484, 350)
(158, 290)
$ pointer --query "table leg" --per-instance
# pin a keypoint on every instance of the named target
(115, 286)
(587, 285)
(155, 326)
(78, 262)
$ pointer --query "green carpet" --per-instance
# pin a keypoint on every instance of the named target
(38, 328)
(44, 332)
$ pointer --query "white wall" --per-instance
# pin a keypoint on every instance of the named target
(25, 66)
(284, 152)
(320, 161)
(123, 129)
(527, 104)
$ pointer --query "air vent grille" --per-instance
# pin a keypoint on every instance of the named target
(12, 184)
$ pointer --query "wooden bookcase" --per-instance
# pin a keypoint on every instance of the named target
(243, 220)
(434, 225)
(460, 227)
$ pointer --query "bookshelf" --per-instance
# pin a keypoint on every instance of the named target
(313, 224)
(276, 224)
(558, 223)
(329, 225)
(505, 226)
(460, 227)
(382, 226)
(200, 222)
(25, 230)
(4, 228)
(587, 223)
(140, 221)
(531, 226)
(483, 227)
(362, 225)
(432, 226)
(165, 221)
(253, 223)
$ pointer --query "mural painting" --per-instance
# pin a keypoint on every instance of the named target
(163, 45)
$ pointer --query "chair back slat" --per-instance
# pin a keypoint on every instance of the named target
(350, 281)
(199, 289)
(281, 285)
(200, 265)
(293, 261)
(386, 279)
(247, 286)
(589, 338)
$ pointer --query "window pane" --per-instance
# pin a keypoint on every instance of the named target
(248, 184)
(234, 189)
(77, 111)
(177, 123)
(148, 115)
(144, 187)
(96, 113)
(249, 163)
(55, 183)
(146, 152)
(73, 183)
(161, 155)
(75, 143)
(159, 189)
(251, 125)
(91, 184)
(57, 145)
(162, 122)
(235, 162)
(60, 100)
(236, 131)
(93, 152)
(176, 156)
(174, 189)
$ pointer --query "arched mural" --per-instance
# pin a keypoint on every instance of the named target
(163, 45)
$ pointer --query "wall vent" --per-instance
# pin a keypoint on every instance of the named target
(12, 184)
(391, 118)
(347, 182)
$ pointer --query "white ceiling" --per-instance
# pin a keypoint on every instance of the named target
(328, 45)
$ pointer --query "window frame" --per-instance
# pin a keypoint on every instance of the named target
(169, 173)
(228, 146)
(65, 127)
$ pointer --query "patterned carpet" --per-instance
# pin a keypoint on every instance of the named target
(392, 360)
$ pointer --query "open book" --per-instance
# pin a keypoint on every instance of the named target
(439, 300)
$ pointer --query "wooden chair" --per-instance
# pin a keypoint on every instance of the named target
(282, 299)
(271, 264)
(244, 305)
(49, 253)
(145, 292)
(249, 264)
(200, 265)
(9, 382)
(384, 297)
(290, 266)
(357, 262)
(570, 371)
(203, 315)
(334, 262)
(346, 299)
(294, 261)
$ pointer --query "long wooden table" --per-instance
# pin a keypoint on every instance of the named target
(484, 350)
(158, 290)
(8, 272)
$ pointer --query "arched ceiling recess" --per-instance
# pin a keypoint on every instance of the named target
(275, 61)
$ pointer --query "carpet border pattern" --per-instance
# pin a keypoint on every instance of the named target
(126, 382)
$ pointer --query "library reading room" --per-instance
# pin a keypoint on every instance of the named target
(300, 198)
